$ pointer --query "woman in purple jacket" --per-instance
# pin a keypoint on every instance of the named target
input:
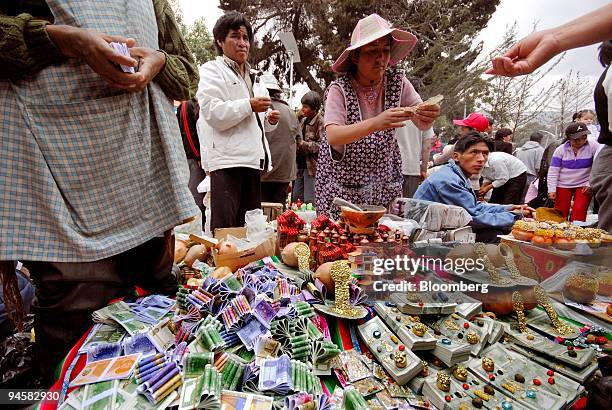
(568, 175)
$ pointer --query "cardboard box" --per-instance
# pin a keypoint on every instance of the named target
(239, 259)
(222, 233)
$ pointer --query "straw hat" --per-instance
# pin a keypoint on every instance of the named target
(372, 28)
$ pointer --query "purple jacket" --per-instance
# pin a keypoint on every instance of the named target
(569, 170)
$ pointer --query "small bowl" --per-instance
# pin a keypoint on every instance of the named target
(362, 222)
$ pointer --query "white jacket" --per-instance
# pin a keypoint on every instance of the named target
(230, 135)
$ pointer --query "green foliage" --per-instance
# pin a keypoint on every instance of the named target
(444, 58)
(198, 38)
(200, 41)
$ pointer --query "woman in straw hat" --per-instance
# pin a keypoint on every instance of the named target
(359, 159)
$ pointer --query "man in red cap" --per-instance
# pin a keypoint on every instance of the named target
(473, 122)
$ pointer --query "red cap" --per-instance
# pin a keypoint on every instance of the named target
(477, 121)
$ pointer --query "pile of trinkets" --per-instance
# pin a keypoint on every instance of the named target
(256, 339)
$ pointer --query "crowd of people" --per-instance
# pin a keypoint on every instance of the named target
(95, 178)
(369, 140)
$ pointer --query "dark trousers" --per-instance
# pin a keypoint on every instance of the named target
(511, 193)
(68, 293)
(233, 192)
(410, 185)
(274, 192)
(197, 175)
(488, 234)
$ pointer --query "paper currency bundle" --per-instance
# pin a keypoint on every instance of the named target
(194, 364)
(202, 392)
(232, 373)
(162, 383)
(209, 338)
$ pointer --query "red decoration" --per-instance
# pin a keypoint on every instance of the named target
(551, 380)
(570, 347)
(466, 386)
(550, 373)
(401, 348)
(448, 398)
(466, 325)
(537, 382)
(491, 376)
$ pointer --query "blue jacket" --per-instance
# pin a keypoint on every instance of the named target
(451, 187)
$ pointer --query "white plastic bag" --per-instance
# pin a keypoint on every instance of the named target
(258, 230)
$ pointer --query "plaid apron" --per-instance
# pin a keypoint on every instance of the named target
(370, 170)
(88, 171)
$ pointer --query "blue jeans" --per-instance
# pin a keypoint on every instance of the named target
(303, 187)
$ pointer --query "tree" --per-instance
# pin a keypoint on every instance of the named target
(574, 92)
(443, 59)
(200, 41)
(198, 38)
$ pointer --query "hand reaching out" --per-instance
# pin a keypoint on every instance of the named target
(527, 55)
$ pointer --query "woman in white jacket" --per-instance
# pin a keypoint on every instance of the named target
(234, 114)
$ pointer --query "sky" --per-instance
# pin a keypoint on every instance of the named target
(546, 13)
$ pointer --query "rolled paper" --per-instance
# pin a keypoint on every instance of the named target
(228, 372)
(299, 344)
(207, 378)
(168, 385)
(204, 338)
(169, 390)
(195, 363)
(221, 361)
(149, 359)
(152, 365)
(301, 350)
(237, 377)
(232, 374)
(159, 375)
(157, 386)
(143, 377)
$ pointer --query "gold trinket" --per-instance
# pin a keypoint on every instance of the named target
(425, 371)
(451, 325)
(341, 274)
(400, 359)
(484, 396)
(543, 300)
(460, 373)
(443, 381)
(302, 253)
(472, 338)
(487, 364)
(419, 329)
(508, 387)
(519, 309)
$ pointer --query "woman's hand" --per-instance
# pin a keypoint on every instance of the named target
(425, 116)
(391, 118)
(587, 190)
(94, 49)
(552, 195)
(151, 63)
